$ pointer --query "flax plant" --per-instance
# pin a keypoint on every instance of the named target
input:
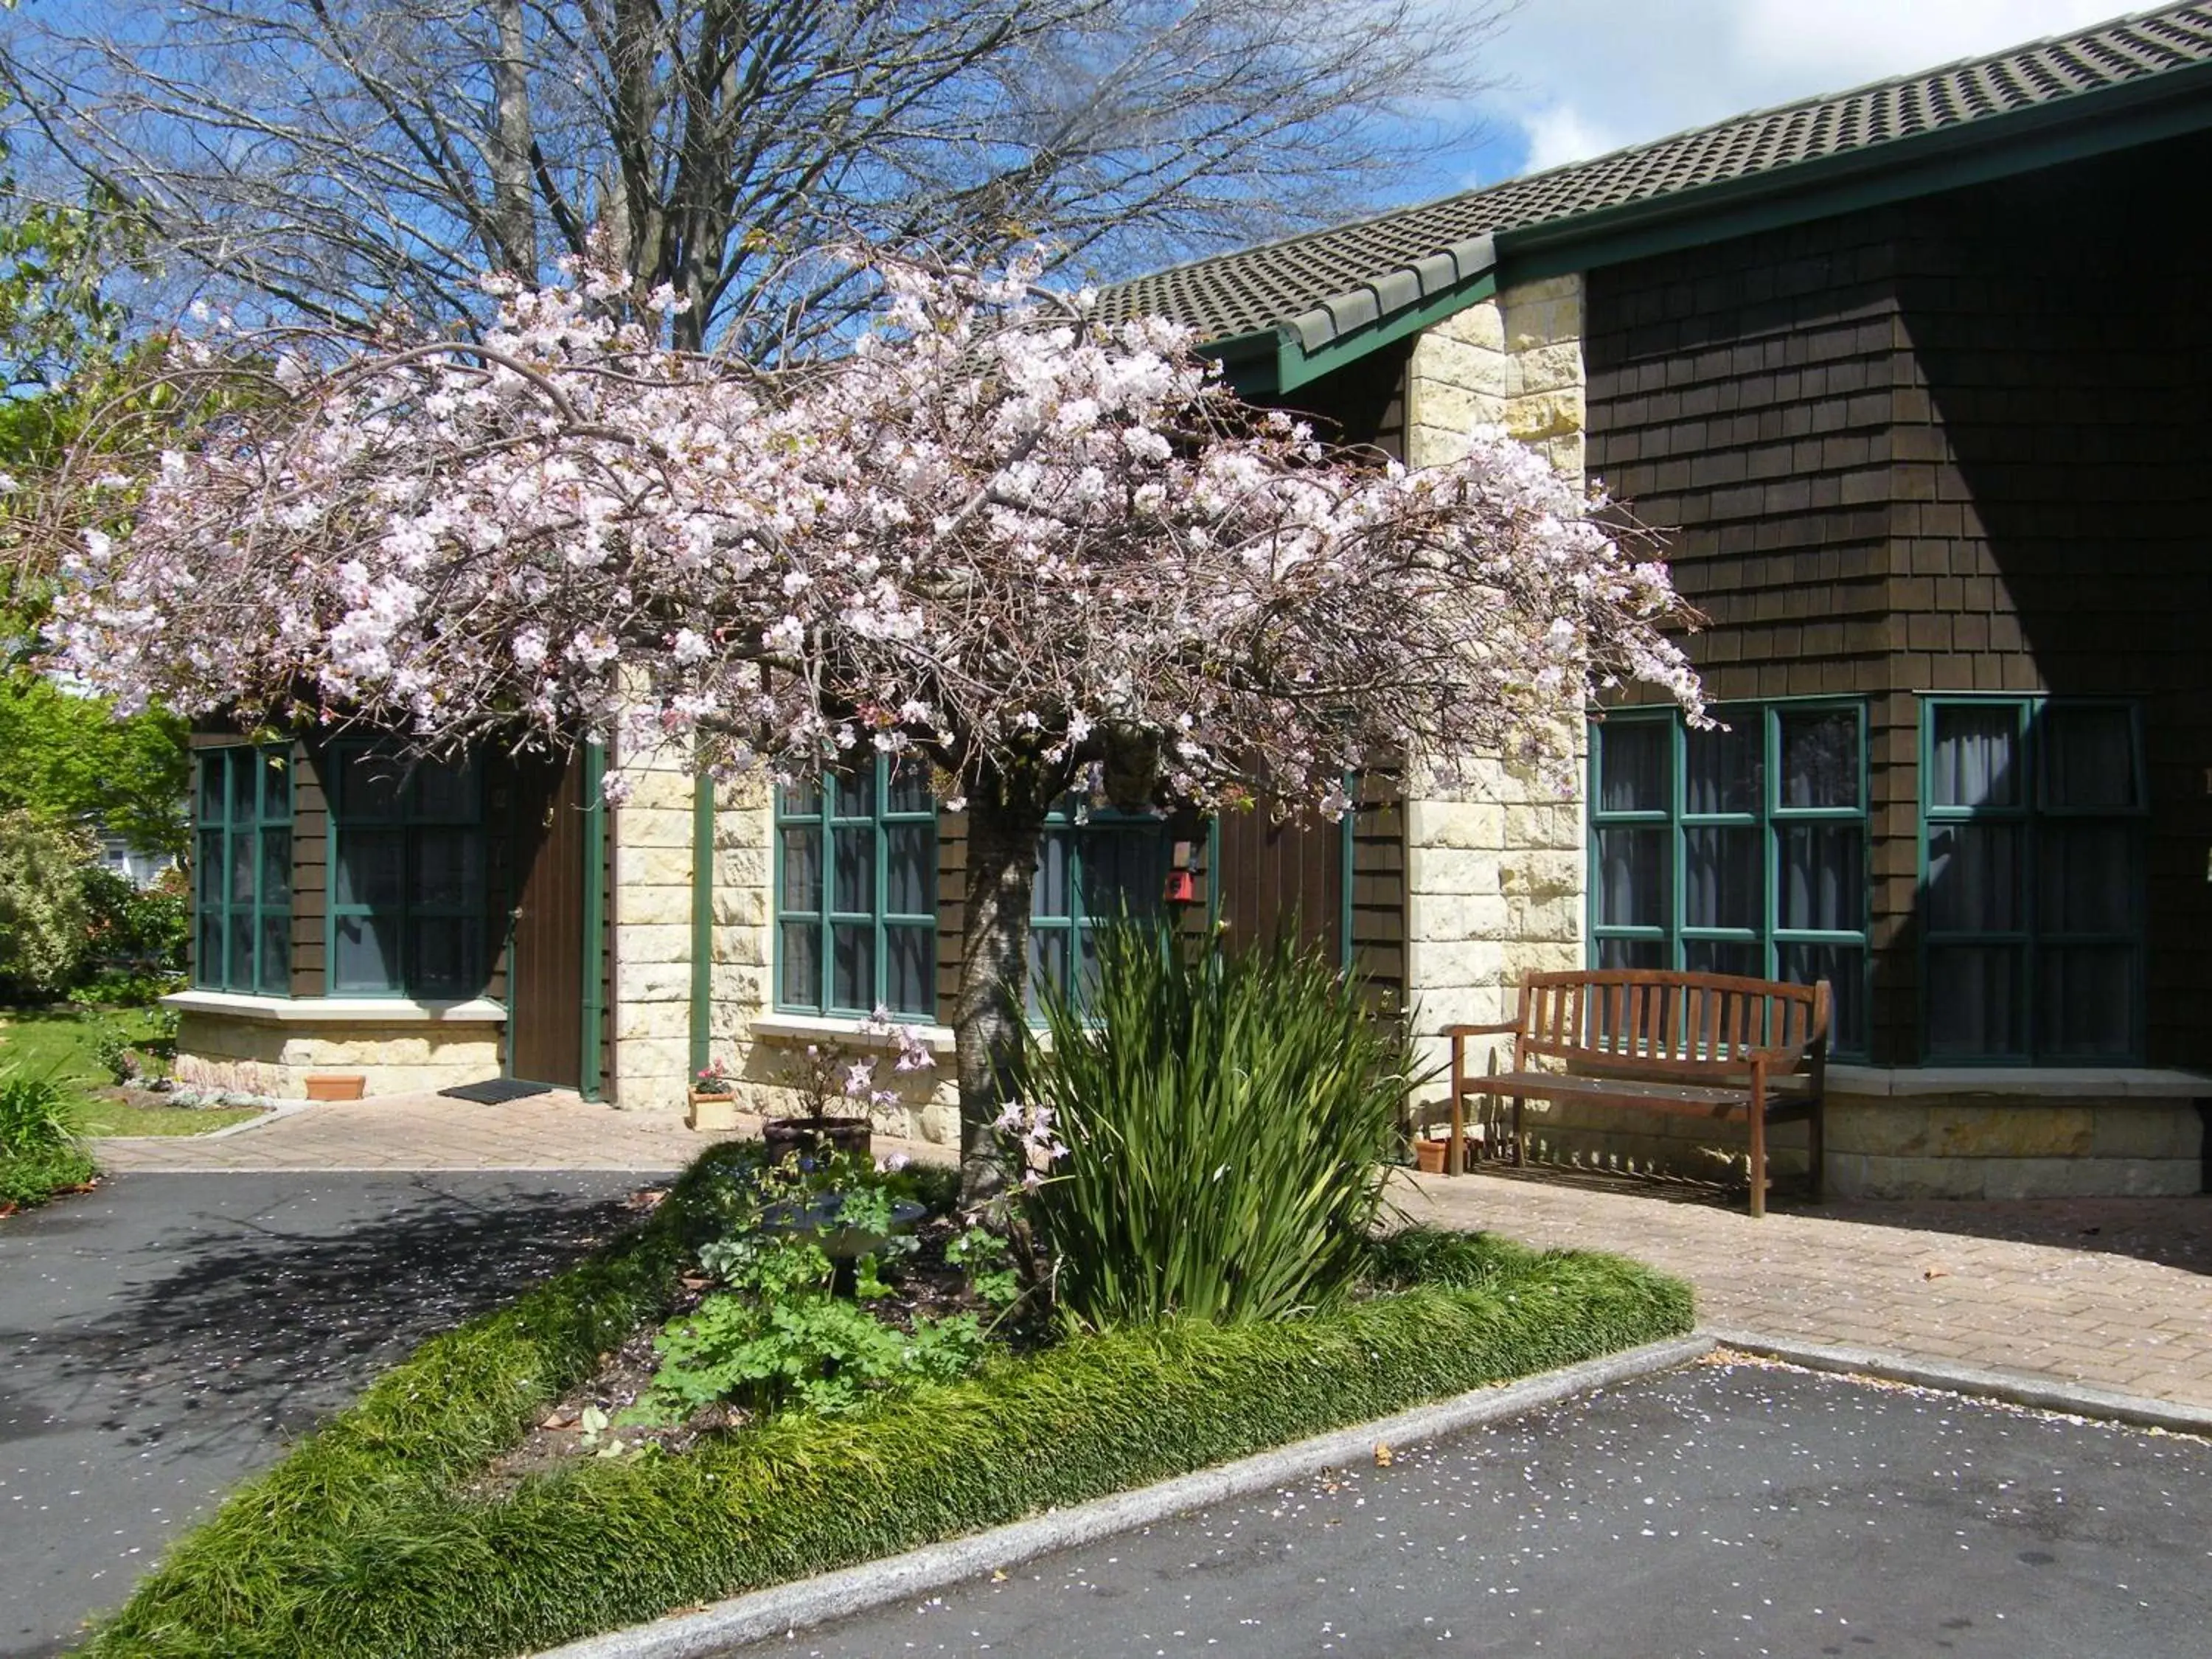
(1228, 1118)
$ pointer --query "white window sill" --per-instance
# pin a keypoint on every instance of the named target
(810, 1027)
(360, 1011)
(2021, 1082)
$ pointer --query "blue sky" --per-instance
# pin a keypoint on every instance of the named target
(1585, 76)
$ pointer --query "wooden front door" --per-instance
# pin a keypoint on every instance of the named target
(545, 957)
(1273, 877)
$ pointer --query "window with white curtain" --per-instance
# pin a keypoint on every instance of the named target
(1740, 849)
(2032, 879)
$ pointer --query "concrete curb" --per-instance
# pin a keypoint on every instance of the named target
(771, 1613)
(2018, 1388)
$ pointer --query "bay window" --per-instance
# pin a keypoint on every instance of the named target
(1736, 850)
(242, 871)
(406, 900)
(2032, 877)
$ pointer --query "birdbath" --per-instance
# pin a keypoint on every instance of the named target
(821, 1221)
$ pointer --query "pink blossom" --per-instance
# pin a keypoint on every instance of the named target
(1024, 536)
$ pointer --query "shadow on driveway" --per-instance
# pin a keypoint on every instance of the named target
(170, 1334)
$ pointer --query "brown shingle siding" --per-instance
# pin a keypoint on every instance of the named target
(1971, 460)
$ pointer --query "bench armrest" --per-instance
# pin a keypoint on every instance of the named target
(1511, 1028)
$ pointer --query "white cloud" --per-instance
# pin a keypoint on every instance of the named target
(1583, 77)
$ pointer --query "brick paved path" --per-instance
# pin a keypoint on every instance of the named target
(2114, 1292)
(555, 1131)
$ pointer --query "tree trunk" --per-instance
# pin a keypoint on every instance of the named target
(1002, 839)
(513, 206)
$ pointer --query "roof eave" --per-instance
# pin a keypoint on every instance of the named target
(1345, 327)
(1334, 333)
(1996, 146)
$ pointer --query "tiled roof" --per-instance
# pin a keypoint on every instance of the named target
(1326, 283)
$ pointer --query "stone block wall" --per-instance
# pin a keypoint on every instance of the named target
(650, 838)
(1493, 893)
(1513, 360)
(257, 1057)
(1959, 1145)
(1976, 1146)
(1494, 878)
(744, 934)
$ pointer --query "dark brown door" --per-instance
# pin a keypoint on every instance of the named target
(1273, 877)
(545, 961)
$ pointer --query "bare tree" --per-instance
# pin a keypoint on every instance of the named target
(338, 157)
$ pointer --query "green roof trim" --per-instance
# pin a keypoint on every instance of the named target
(1273, 360)
(1283, 314)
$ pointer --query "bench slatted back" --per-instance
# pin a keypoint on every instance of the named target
(1669, 1023)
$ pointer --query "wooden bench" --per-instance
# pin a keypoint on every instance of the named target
(1700, 1045)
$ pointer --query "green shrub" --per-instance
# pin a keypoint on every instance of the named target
(1227, 1119)
(1436, 1255)
(372, 1538)
(32, 1118)
(780, 1334)
(38, 1156)
(32, 1177)
(134, 928)
(44, 927)
(125, 987)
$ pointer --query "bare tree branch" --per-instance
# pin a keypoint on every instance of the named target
(338, 159)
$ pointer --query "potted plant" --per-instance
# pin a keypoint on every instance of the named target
(824, 1073)
(713, 1100)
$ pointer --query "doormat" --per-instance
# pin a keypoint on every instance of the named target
(494, 1090)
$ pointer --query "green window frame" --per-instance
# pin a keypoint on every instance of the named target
(1741, 850)
(1092, 867)
(856, 893)
(2032, 880)
(406, 914)
(242, 871)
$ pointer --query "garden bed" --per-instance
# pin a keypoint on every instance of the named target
(32, 1177)
(414, 1523)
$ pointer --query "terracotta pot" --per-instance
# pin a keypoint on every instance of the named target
(807, 1136)
(1429, 1155)
(346, 1086)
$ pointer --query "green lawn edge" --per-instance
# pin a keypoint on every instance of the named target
(362, 1543)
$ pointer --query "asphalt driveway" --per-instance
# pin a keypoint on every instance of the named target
(1736, 1509)
(168, 1334)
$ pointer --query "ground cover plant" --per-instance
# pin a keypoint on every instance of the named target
(39, 1155)
(385, 1534)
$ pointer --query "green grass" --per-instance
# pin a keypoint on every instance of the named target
(109, 1117)
(367, 1540)
(58, 1042)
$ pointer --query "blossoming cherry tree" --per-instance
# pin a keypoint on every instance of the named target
(1042, 554)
